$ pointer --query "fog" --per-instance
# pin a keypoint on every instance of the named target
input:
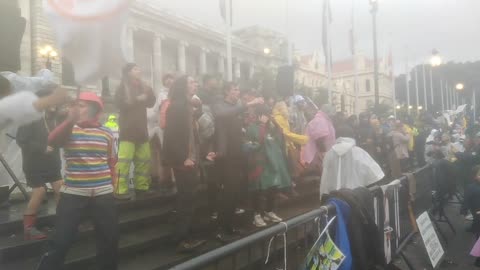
(409, 27)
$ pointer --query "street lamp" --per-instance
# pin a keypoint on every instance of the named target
(48, 53)
(420, 108)
(435, 61)
(398, 107)
(266, 51)
(459, 86)
(374, 10)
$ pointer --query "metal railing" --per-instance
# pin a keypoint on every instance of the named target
(242, 253)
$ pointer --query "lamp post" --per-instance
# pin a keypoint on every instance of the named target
(435, 61)
(48, 53)
(374, 10)
(460, 87)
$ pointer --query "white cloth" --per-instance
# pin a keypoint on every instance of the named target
(91, 34)
(153, 115)
(348, 166)
(44, 80)
(17, 109)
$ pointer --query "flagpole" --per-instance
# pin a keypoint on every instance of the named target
(354, 53)
(329, 55)
(474, 106)
(447, 97)
(407, 75)
(287, 26)
(441, 92)
(431, 88)
(394, 97)
(228, 15)
(425, 101)
(416, 88)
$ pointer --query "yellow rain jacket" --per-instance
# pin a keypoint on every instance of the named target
(280, 114)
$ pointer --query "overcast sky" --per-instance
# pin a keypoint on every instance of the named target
(409, 27)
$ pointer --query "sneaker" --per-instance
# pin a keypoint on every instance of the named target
(258, 221)
(190, 245)
(271, 216)
(34, 234)
(214, 215)
(469, 217)
(239, 211)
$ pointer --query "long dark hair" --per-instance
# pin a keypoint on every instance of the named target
(125, 70)
(179, 91)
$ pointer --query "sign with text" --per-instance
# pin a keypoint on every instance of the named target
(430, 239)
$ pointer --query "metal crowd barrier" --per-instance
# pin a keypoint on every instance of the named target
(304, 228)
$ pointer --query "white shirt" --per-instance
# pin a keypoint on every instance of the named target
(347, 166)
(153, 115)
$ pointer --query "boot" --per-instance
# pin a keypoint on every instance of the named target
(29, 230)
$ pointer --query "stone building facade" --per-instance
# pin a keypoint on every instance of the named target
(310, 72)
(157, 40)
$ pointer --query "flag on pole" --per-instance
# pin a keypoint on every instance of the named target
(327, 20)
(223, 11)
(352, 30)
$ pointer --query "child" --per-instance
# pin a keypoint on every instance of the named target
(268, 169)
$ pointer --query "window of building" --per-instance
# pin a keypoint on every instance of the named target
(367, 85)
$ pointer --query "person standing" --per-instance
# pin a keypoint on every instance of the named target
(321, 137)
(348, 166)
(181, 149)
(267, 166)
(293, 141)
(401, 139)
(229, 156)
(133, 98)
(159, 174)
(88, 191)
(41, 165)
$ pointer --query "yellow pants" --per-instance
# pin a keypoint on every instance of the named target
(139, 154)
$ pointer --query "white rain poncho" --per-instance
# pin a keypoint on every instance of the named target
(348, 166)
(16, 110)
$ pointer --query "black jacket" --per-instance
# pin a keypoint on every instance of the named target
(472, 202)
(365, 237)
(32, 139)
(228, 129)
(176, 136)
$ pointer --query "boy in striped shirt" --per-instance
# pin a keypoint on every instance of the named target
(90, 161)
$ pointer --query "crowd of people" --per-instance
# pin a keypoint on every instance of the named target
(237, 142)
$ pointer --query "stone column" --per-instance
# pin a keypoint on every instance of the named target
(203, 61)
(157, 61)
(251, 71)
(237, 70)
(181, 54)
(221, 64)
(129, 44)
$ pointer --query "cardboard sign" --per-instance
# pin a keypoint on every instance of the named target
(430, 239)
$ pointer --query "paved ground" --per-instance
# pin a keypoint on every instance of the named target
(457, 249)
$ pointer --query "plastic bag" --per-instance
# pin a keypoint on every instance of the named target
(90, 35)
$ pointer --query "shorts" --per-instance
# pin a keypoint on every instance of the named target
(36, 181)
